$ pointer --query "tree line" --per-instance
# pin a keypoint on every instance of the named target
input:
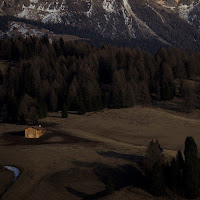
(37, 76)
(181, 174)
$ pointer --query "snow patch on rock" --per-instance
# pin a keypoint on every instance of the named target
(89, 12)
(108, 6)
(54, 17)
(184, 11)
(46, 13)
(34, 1)
(24, 13)
(128, 22)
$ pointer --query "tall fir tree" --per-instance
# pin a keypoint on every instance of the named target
(180, 166)
(64, 112)
(154, 168)
(191, 169)
(157, 186)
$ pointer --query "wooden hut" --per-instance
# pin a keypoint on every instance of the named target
(34, 132)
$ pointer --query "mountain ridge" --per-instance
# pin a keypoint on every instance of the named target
(170, 23)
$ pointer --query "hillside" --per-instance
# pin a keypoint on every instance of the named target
(148, 24)
(73, 158)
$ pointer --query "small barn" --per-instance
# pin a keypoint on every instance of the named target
(34, 132)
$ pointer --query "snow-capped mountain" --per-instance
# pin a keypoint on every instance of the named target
(169, 22)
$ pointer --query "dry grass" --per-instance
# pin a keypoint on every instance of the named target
(72, 160)
(132, 126)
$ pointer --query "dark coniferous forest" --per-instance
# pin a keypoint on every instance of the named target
(181, 175)
(37, 76)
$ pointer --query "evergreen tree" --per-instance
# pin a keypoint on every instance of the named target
(12, 110)
(167, 82)
(61, 42)
(180, 160)
(188, 94)
(173, 175)
(154, 168)
(154, 154)
(42, 110)
(191, 169)
(82, 109)
(180, 166)
(157, 185)
(64, 112)
(53, 100)
(32, 116)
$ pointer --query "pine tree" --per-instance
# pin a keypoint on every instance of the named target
(32, 116)
(53, 100)
(157, 185)
(180, 160)
(191, 169)
(61, 42)
(82, 109)
(167, 82)
(154, 168)
(180, 166)
(173, 175)
(42, 110)
(154, 154)
(188, 94)
(64, 112)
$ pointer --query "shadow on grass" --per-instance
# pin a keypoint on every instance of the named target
(114, 178)
(18, 138)
(15, 133)
(85, 196)
(133, 158)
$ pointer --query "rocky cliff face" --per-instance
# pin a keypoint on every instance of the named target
(170, 22)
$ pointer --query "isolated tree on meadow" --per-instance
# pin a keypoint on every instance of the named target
(64, 112)
(81, 107)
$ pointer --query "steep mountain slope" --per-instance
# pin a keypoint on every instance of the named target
(156, 22)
